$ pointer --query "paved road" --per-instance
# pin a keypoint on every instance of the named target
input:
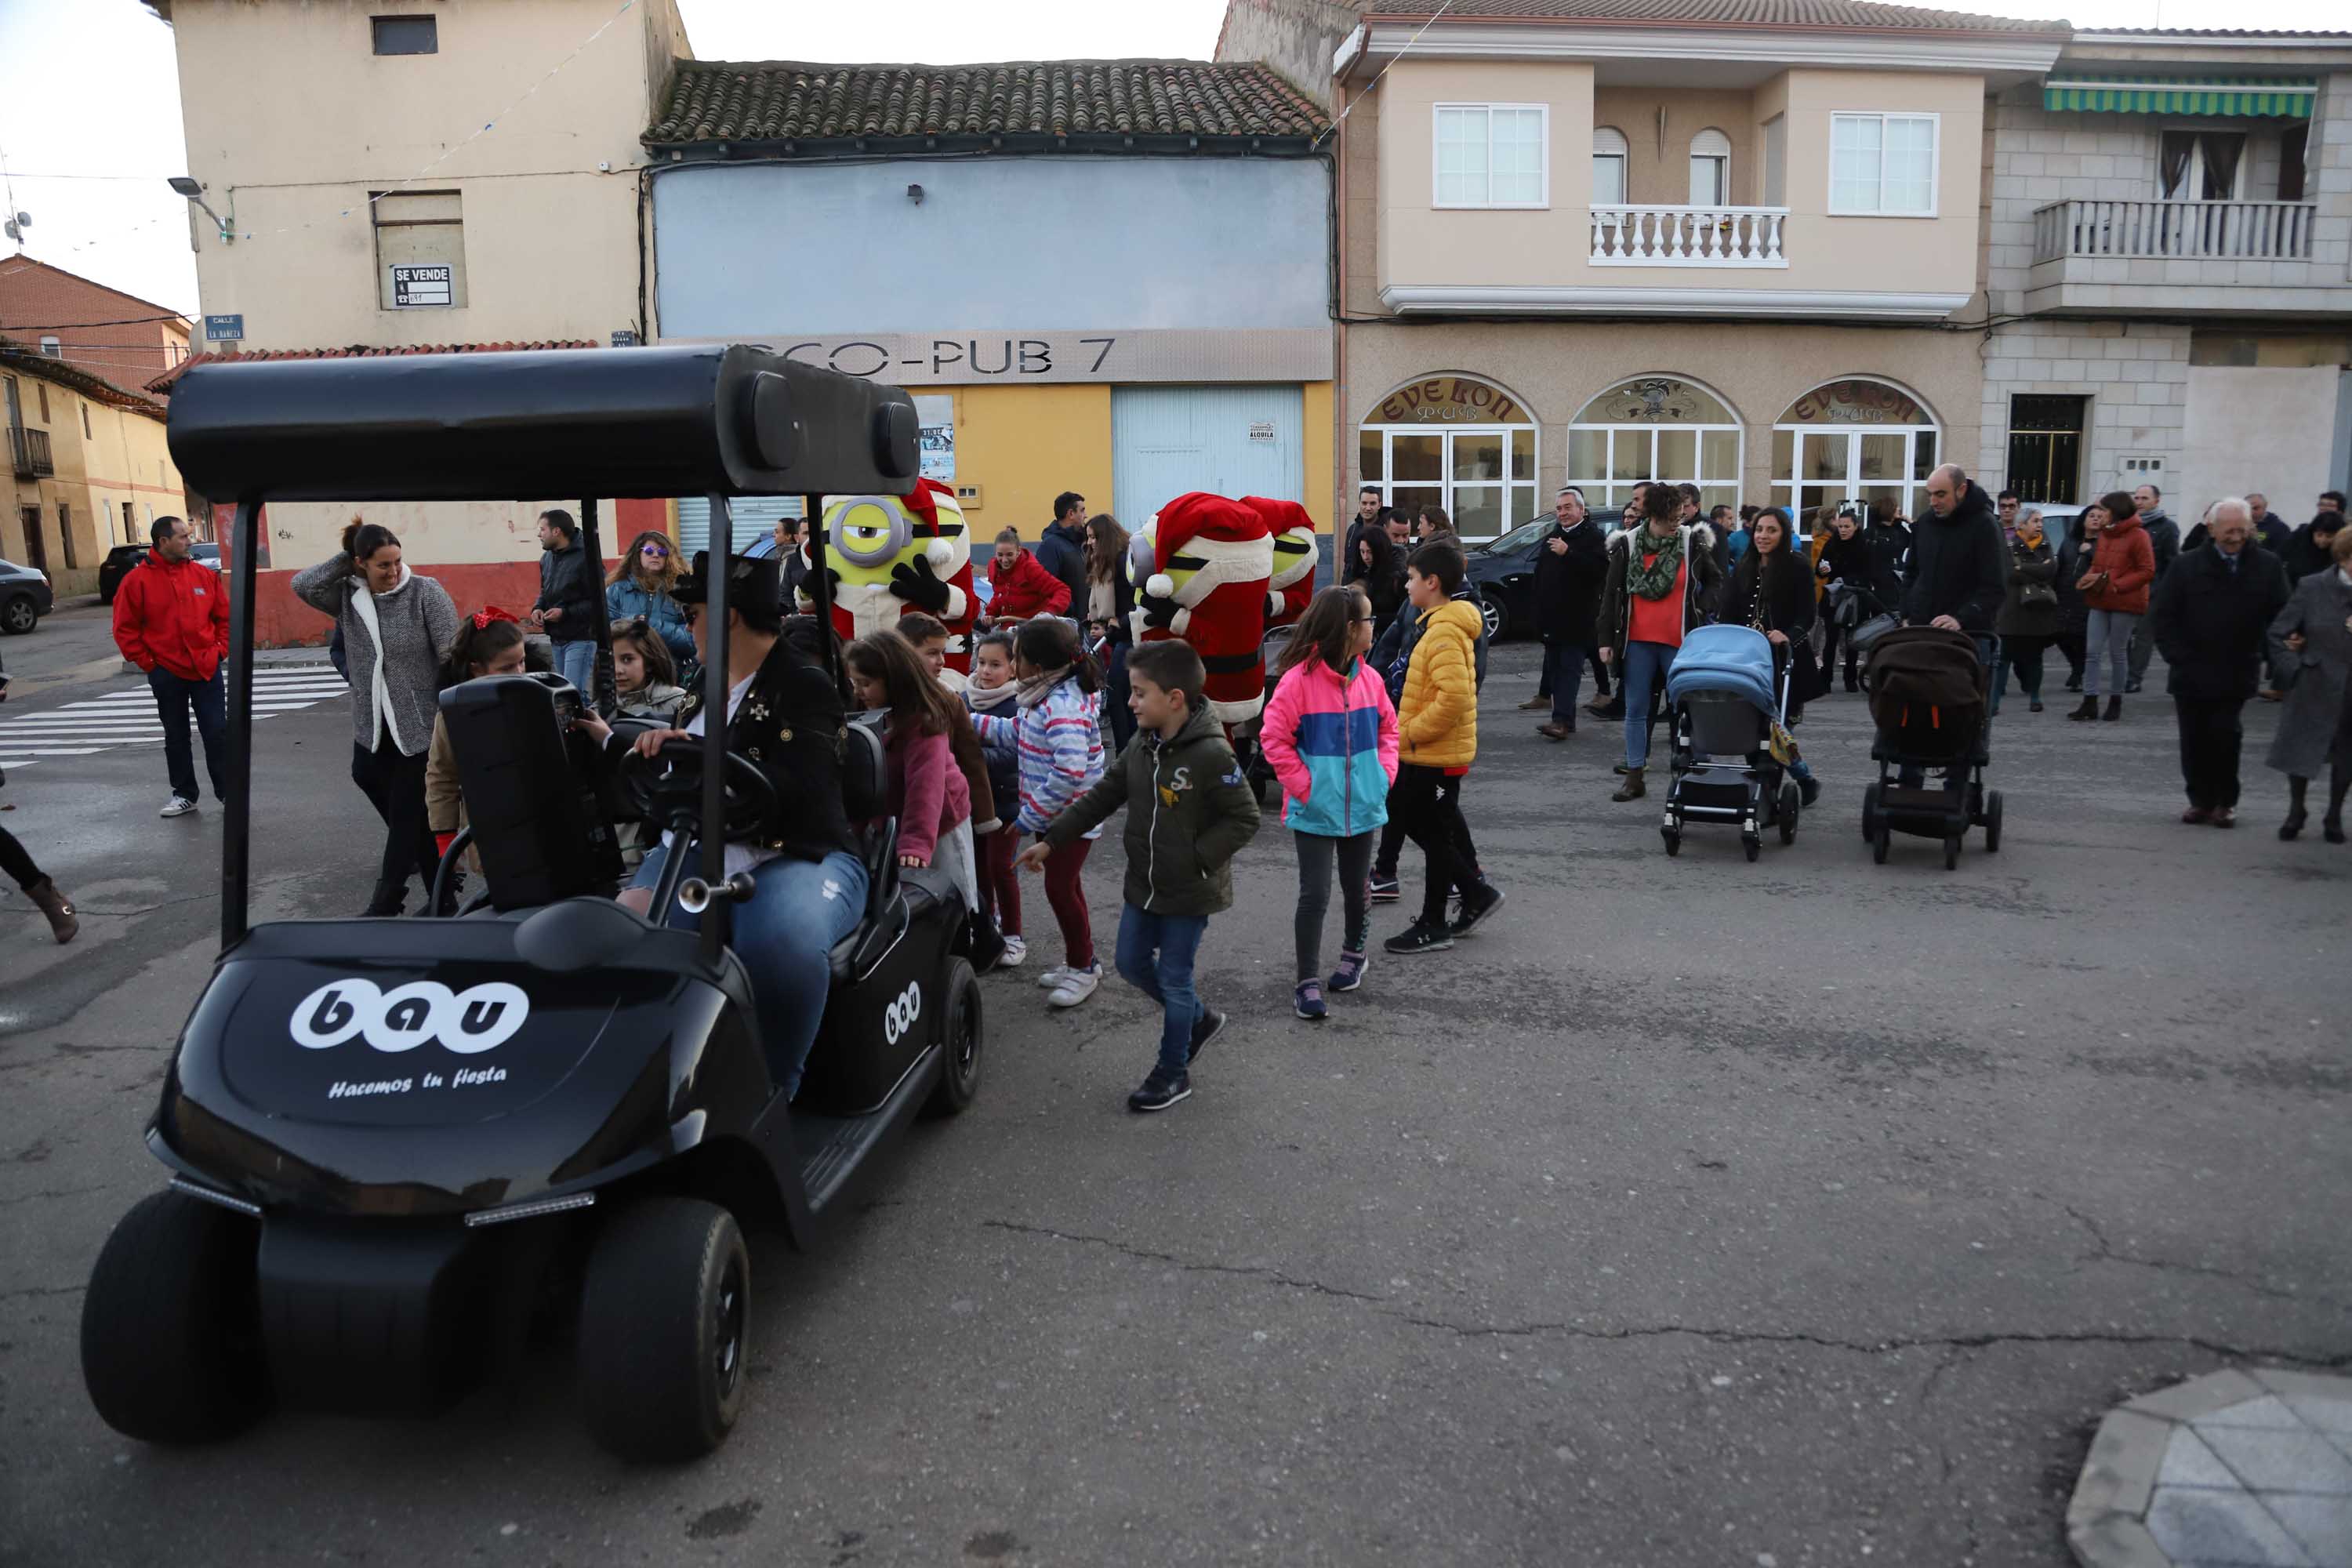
(1699, 1213)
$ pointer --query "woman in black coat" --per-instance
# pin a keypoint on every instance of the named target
(2073, 612)
(1772, 591)
(1851, 558)
(1379, 568)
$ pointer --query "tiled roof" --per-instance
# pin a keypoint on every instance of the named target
(358, 350)
(24, 359)
(1845, 15)
(1090, 104)
(2210, 33)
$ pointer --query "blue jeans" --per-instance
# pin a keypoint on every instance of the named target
(1646, 664)
(784, 937)
(1563, 678)
(576, 662)
(1155, 956)
(175, 695)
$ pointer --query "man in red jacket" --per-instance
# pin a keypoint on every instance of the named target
(171, 620)
(1019, 584)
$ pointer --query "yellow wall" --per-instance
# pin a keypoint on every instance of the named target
(1025, 445)
(123, 459)
(1318, 485)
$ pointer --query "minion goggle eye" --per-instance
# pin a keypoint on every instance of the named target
(868, 531)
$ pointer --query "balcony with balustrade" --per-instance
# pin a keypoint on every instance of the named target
(2155, 257)
(1628, 235)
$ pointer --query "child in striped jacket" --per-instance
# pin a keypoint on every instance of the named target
(1058, 736)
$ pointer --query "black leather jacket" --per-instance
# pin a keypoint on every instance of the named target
(789, 725)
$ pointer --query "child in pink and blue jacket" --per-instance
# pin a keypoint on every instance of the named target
(1330, 734)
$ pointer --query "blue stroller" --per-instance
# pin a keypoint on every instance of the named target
(1724, 693)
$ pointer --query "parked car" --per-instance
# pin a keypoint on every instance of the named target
(205, 554)
(116, 567)
(1503, 571)
(25, 598)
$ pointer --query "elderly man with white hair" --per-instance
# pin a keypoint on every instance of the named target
(2211, 612)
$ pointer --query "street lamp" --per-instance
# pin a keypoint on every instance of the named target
(188, 187)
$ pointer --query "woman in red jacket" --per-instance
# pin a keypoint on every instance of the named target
(1020, 586)
(2114, 586)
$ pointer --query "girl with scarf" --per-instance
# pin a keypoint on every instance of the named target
(1663, 581)
(394, 625)
(642, 586)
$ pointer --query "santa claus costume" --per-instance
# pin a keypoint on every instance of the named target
(1209, 558)
(1293, 581)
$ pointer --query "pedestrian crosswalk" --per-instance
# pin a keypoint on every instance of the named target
(128, 717)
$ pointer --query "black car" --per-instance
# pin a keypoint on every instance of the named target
(116, 567)
(1503, 571)
(25, 598)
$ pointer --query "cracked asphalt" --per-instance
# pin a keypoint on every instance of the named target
(1693, 1213)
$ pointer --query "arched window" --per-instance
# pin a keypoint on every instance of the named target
(1710, 168)
(1608, 166)
(1655, 427)
(1462, 443)
(1861, 438)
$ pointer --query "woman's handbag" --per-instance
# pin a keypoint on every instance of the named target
(1870, 630)
(2036, 596)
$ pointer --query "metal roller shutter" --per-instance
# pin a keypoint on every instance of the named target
(754, 518)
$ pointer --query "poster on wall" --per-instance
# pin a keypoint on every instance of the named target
(935, 413)
(414, 286)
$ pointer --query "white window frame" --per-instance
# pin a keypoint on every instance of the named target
(1774, 191)
(1935, 162)
(1605, 494)
(1787, 489)
(1543, 147)
(1619, 155)
(1445, 483)
(1713, 139)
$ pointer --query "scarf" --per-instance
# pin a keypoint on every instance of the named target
(364, 600)
(1100, 601)
(1657, 579)
(987, 699)
(1037, 687)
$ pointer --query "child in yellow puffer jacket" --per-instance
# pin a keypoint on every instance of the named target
(1437, 726)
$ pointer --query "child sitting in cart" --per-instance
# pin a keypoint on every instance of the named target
(929, 793)
(489, 642)
(645, 680)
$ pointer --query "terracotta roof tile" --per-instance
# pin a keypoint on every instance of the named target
(1846, 16)
(357, 350)
(1079, 100)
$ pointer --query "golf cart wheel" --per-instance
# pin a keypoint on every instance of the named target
(1992, 823)
(1951, 851)
(171, 1326)
(959, 1046)
(1792, 801)
(1497, 618)
(1869, 815)
(665, 1327)
(1753, 842)
(1881, 844)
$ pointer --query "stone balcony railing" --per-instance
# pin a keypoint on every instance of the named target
(1628, 235)
(2175, 231)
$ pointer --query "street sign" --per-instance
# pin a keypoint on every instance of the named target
(224, 328)
(625, 339)
(414, 286)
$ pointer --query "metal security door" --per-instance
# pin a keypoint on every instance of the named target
(1228, 440)
(750, 519)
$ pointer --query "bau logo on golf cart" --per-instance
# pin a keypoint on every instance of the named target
(468, 1022)
(904, 1010)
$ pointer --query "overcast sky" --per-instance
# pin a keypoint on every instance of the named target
(86, 151)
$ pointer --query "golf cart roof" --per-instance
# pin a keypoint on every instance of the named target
(701, 419)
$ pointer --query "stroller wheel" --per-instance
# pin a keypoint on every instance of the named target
(1792, 802)
(1992, 823)
(1674, 839)
(1870, 814)
(1881, 844)
(1753, 842)
(1951, 851)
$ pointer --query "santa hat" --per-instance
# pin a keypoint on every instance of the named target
(923, 506)
(1288, 518)
(1229, 540)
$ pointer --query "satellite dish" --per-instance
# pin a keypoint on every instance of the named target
(13, 230)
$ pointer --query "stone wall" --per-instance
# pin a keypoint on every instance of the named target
(2136, 375)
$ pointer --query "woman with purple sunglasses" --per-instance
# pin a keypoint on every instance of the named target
(644, 582)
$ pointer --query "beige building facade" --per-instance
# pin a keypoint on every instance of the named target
(88, 466)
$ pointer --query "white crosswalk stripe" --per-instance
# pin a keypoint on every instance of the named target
(128, 717)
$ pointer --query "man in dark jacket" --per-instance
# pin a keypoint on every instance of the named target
(2164, 538)
(566, 609)
(2211, 611)
(1571, 565)
(1367, 518)
(1062, 548)
(1960, 568)
(2309, 550)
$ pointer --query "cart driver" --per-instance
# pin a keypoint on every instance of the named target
(785, 717)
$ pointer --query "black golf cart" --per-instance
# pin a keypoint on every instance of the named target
(396, 1145)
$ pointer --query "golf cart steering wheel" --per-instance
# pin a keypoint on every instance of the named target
(669, 783)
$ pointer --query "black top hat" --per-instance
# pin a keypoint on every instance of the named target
(750, 580)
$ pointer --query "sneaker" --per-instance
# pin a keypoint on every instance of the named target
(178, 805)
(2131, 687)
(1015, 950)
(1054, 977)
(1483, 900)
(1206, 1027)
(1350, 972)
(1075, 987)
(1158, 1093)
(1535, 704)
(1420, 937)
(1308, 1001)
(1384, 890)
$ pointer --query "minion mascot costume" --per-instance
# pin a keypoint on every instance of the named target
(1293, 581)
(890, 555)
(1203, 562)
